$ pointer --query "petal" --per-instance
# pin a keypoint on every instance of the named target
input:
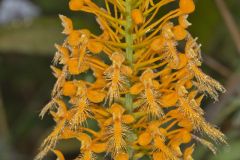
(179, 32)
(69, 89)
(174, 114)
(95, 96)
(56, 72)
(94, 46)
(126, 70)
(128, 119)
(121, 156)
(116, 109)
(156, 84)
(75, 52)
(144, 139)
(74, 38)
(64, 52)
(99, 148)
(73, 66)
(167, 152)
(186, 124)
(182, 20)
(182, 61)
(99, 83)
(158, 44)
(136, 88)
(177, 150)
(108, 122)
(186, 137)
(67, 24)
(117, 58)
(188, 84)
(169, 100)
(62, 106)
(147, 75)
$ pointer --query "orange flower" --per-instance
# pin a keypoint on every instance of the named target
(133, 81)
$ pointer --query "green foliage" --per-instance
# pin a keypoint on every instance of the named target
(52, 6)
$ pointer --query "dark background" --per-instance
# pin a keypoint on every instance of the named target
(27, 49)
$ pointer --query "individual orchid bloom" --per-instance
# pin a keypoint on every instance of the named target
(61, 117)
(139, 81)
(149, 100)
(203, 82)
(162, 151)
(116, 75)
(89, 147)
(152, 131)
(117, 130)
(191, 111)
(81, 98)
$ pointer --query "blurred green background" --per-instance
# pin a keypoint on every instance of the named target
(27, 49)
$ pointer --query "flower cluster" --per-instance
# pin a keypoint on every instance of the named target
(139, 80)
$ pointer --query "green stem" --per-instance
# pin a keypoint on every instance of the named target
(129, 49)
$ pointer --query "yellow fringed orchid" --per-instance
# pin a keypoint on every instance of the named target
(145, 95)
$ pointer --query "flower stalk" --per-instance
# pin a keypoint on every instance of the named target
(129, 49)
